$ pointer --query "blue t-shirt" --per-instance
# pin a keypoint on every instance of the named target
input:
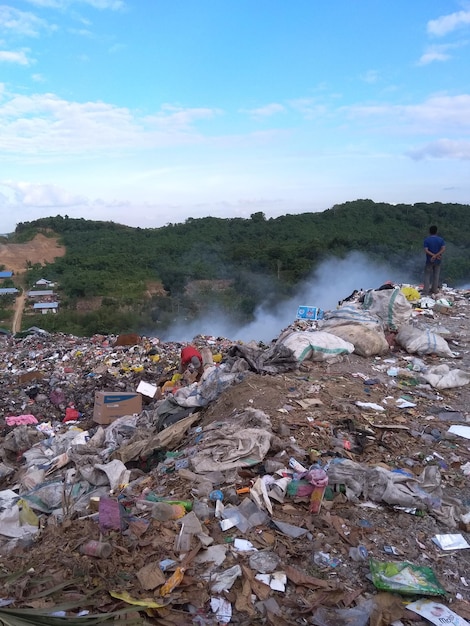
(433, 243)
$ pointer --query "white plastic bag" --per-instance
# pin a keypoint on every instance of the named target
(316, 345)
(442, 377)
(417, 341)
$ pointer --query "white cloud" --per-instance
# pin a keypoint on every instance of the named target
(27, 194)
(6, 56)
(439, 52)
(371, 76)
(448, 23)
(433, 55)
(44, 124)
(113, 5)
(442, 149)
(81, 32)
(265, 111)
(177, 119)
(13, 21)
(435, 113)
(310, 108)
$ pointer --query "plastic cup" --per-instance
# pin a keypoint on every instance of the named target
(98, 549)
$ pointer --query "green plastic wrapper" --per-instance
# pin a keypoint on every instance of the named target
(405, 578)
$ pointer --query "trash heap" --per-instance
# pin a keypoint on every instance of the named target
(322, 479)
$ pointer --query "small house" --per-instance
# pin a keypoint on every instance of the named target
(6, 291)
(46, 307)
(44, 293)
(43, 282)
(6, 274)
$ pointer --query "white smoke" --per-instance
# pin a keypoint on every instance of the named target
(334, 280)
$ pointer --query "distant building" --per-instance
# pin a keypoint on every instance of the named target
(40, 294)
(6, 274)
(8, 290)
(44, 283)
(45, 307)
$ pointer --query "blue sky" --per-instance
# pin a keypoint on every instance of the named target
(147, 112)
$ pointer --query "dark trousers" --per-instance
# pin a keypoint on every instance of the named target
(431, 278)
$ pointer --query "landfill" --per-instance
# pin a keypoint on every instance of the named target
(321, 479)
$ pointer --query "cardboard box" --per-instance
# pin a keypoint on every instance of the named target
(309, 313)
(109, 405)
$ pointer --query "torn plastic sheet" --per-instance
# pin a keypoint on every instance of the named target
(354, 616)
(10, 524)
(289, 529)
(223, 581)
(397, 488)
(242, 441)
(277, 580)
(370, 405)
(116, 472)
(442, 377)
(222, 610)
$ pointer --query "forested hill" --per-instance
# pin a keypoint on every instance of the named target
(251, 259)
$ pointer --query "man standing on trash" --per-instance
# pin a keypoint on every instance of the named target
(191, 359)
(434, 247)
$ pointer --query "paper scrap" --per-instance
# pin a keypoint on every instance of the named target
(451, 542)
(436, 613)
(462, 431)
(370, 405)
(147, 389)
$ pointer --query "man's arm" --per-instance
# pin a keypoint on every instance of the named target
(429, 253)
(439, 254)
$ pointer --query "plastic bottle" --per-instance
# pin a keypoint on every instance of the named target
(324, 559)
(359, 553)
(202, 510)
(296, 466)
(217, 494)
(319, 479)
(163, 511)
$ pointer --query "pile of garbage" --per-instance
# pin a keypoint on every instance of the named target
(322, 479)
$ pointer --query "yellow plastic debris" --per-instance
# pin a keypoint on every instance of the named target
(217, 358)
(174, 580)
(411, 294)
(27, 515)
(148, 603)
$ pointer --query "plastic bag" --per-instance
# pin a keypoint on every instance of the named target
(390, 305)
(406, 578)
(355, 616)
(350, 314)
(316, 345)
(366, 341)
(442, 377)
(418, 341)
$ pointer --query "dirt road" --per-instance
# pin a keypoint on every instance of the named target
(18, 316)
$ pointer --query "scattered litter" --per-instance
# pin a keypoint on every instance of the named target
(450, 542)
(436, 613)
(461, 431)
(405, 578)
